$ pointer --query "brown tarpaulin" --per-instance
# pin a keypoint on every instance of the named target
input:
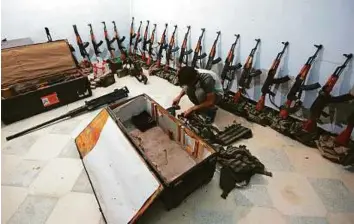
(37, 61)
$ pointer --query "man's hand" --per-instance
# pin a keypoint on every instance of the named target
(175, 102)
(188, 112)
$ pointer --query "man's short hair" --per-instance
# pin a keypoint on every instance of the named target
(187, 75)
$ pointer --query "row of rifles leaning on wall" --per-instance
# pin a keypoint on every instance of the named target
(145, 52)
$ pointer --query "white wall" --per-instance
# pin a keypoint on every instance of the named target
(301, 22)
(27, 18)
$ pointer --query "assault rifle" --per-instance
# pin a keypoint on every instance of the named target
(108, 41)
(270, 80)
(151, 42)
(95, 45)
(90, 105)
(137, 39)
(145, 41)
(49, 37)
(247, 74)
(228, 71)
(184, 51)
(171, 49)
(324, 96)
(82, 45)
(212, 53)
(118, 39)
(132, 35)
(163, 46)
(293, 98)
(197, 51)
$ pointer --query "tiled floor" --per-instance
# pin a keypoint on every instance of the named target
(43, 180)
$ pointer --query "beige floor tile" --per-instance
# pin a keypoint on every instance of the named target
(308, 162)
(8, 165)
(47, 147)
(292, 194)
(340, 218)
(75, 208)
(348, 180)
(57, 178)
(11, 199)
(259, 215)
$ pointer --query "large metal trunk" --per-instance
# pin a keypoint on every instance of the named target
(170, 161)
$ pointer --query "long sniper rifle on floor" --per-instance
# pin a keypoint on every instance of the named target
(82, 45)
(151, 48)
(171, 49)
(90, 105)
(228, 71)
(212, 54)
(145, 41)
(247, 74)
(108, 41)
(132, 35)
(95, 45)
(197, 51)
(324, 96)
(137, 39)
(184, 52)
(118, 39)
(293, 98)
(163, 46)
(270, 80)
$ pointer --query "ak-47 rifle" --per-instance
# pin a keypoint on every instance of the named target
(171, 49)
(132, 35)
(108, 41)
(95, 45)
(197, 51)
(137, 39)
(228, 71)
(49, 37)
(163, 46)
(118, 39)
(324, 96)
(145, 41)
(270, 80)
(184, 52)
(90, 105)
(247, 74)
(151, 42)
(82, 45)
(294, 96)
(212, 53)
